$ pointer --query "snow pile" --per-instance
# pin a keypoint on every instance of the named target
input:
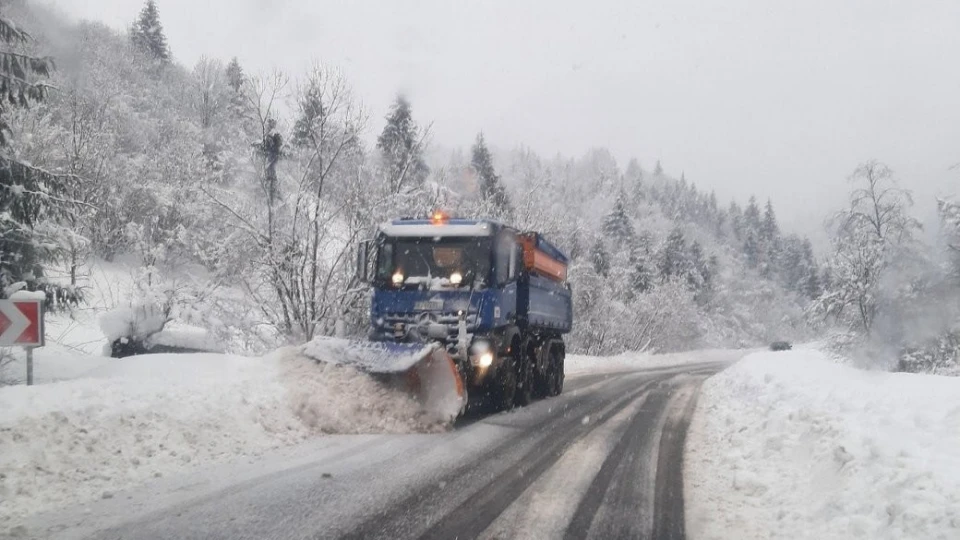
(330, 398)
(575, 364)
(186, 337)
(791, 445)
(133, 322)
(141, 417)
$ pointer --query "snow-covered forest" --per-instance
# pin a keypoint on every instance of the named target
(239, 197)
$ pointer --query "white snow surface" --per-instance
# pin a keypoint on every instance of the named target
(185, 337)
(575, 364)
(791, 445)
(28, 295)
(130, 420)
(429, 230)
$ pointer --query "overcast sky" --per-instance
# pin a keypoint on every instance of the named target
(776, 98)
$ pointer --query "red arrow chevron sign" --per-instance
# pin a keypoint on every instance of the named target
(21, 323)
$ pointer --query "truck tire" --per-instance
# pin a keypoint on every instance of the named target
(542, 375)
(556, 371)
(506, 384)
(526, 377)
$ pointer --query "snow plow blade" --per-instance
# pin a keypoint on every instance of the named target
(425, 371)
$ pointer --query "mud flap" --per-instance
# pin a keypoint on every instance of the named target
(425, 371)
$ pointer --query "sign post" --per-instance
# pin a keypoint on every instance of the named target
(29, 366)
(21, 324)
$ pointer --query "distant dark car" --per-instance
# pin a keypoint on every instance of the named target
(780, 346)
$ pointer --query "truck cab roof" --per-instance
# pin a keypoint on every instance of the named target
(450, 227)
(458, 227)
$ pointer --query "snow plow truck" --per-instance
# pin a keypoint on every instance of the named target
(465, 311)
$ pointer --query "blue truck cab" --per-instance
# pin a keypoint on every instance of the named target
(465, 283)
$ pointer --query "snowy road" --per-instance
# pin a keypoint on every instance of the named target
(603, 460)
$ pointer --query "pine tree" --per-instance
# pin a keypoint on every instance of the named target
(658, 170)
(147, 33)
(600, 259)
(634, 178)
(751, 216)
(673, 258)
(311, 110)
(736, 220)
(810, 285)
(29, 197)
(700, 276)
(699, 262)
(401, 146)
(616, 224)
(770, 242)
(751, 249)
(950, 225)
(235, 75)
(643, 272)
(236, 79)
(769, 229)
(491, 189)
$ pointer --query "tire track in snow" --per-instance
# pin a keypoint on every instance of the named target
(500, 475)
(669, 517)
(472, 517)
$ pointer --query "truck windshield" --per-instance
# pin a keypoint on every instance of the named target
(446, 262)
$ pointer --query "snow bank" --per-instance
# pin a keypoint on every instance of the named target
(127, 421)
(575, 364)
(791, 445)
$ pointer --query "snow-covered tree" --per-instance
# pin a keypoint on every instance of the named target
(304, 216)
(492, 191)
(873, 234)
(616, 224)
(600, 259)
(950, 224)
(401, 146)
(147, 33)
(751, 217)
(735, 219)
(674, 260)
(33, 201)
(235, 75)
(643, 266)
(769, 228)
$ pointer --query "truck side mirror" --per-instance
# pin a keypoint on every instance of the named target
(363, 261)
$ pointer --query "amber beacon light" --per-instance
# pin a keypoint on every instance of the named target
(439, 217)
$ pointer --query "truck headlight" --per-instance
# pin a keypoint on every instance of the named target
(397, 278)
(485, 360)
(456, 278)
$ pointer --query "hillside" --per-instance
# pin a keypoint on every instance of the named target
(235, 201)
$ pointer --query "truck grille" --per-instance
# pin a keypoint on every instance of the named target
(415, 325)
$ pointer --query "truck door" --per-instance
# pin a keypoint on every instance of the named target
(508, 261)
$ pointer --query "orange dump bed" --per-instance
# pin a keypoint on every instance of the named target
(537, 261)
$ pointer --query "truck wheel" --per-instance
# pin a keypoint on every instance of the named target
(525, 378)
(556, 373)
(542, 377)
(506, 390)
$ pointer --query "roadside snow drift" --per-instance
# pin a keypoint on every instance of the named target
(576, 364)
(789, 445)
(146, 416)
